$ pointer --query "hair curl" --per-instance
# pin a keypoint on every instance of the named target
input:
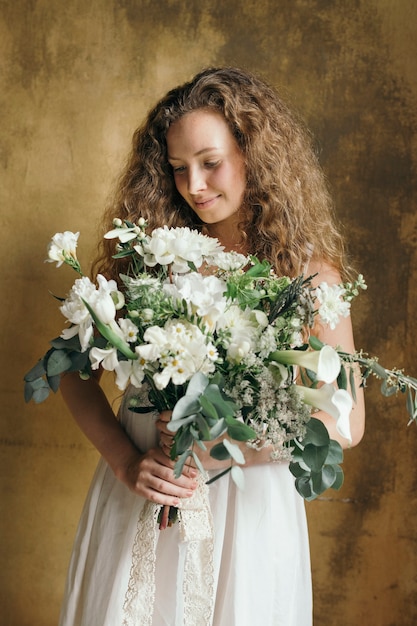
(287, 214)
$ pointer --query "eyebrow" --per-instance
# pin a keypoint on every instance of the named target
(173, 158)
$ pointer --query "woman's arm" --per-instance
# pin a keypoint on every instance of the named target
(148, 474)
(341, 336)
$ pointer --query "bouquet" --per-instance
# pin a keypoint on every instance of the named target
(223, 342)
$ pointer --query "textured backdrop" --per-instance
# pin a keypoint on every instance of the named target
(76, 78)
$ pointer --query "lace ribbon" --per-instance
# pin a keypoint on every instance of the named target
(196, 531)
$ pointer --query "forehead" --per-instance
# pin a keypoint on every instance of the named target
(199, 130)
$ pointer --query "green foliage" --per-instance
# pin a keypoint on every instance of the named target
(316, 462)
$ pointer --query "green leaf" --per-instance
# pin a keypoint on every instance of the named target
(315, 456)
(239, 430)
(187, 405)
(208, 409)
(179, 465)
(323, 479)
(304, 487)
(335, 454)
(39, 395)
(218, 428)
(37, 371)
(198, 462)
(342, 378)
(338, 482)
(378, 370)
(197, 384)
(238, 476)
(203, 427)
(234, 451)
(174, 425)
(315, 343)
(352, 383)
(54, 382)
(220, 452)
(317, 433)
(223, 404)
(58, 362)
(297, 471)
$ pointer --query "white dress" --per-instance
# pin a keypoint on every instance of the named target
(240, 558)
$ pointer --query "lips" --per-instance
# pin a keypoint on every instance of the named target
(205, 203)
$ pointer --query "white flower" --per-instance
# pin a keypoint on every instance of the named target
(229, 261)
(76, 312)
(242, 330)
(129, 372)
(336, 402)
(332, 304)
(325, 362)
(129, 330)
(123, 233)
(106, 357)
(177, 351)
(203, 295)
(177, 246)
(62, 247)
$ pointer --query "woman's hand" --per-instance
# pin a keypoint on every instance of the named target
(151, 475)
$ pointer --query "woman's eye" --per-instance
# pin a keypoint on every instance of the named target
(178, 169)
(212, 163)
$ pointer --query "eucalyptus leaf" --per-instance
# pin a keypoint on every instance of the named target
(238, 476)
(304, 487)
(379, 371)
(37, 371)
(335, 454)
(316, 434)
(352, 383)
(218, 428)
(203, 428)
(187, 405)
(54, 382)
(342, 378)
(297, 471)
(315, 456)
(338, 482)
(234, 451)
(239, 430)
(208, 409)
(197, 385)
(174, 425)
(198, 463)
(179, 465)
(220, 452)
(323, 479)
(58, 362)
(39, 395)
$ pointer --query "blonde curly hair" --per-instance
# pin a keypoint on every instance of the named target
(287, 213)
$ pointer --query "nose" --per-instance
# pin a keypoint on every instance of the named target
(196, 181)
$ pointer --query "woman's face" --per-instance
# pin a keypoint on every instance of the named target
(208, 167)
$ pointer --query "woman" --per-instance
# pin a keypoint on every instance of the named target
(224, 155)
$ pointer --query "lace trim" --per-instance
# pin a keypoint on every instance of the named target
(140, 594)
(196, 531)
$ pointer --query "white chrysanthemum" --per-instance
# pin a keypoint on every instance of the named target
(229, 261)
(332, 305)
(242, 330)
(203, 295)
(178, 246)
(129, 330)
(62, 246)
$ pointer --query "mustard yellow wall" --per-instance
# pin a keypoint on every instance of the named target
(76, 78)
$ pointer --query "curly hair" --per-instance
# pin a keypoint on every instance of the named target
(287, 213)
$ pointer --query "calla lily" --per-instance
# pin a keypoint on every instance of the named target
(335, 402)
(325, 362)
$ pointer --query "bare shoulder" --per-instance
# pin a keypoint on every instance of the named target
(323, 272)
